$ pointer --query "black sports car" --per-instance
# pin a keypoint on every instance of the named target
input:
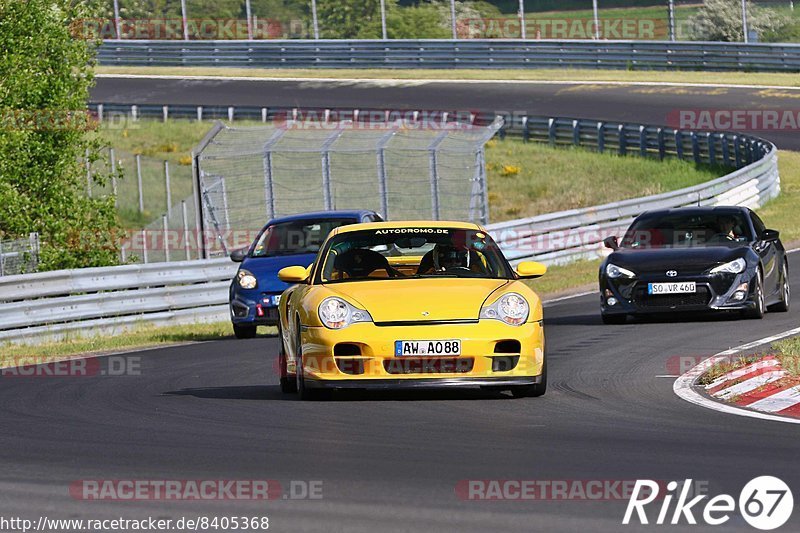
(694, 259)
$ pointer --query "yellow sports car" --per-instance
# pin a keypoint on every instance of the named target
(411, 304)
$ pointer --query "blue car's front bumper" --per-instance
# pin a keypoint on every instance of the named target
(258, 309)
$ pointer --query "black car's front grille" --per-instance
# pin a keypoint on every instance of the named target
(668, 301)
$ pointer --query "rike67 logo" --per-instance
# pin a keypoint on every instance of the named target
(765, 503)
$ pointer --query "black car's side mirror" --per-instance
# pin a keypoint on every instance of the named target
(611, 242)
(237, 256)
(770, 235)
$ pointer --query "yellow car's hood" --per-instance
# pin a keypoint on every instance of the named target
(420, 299)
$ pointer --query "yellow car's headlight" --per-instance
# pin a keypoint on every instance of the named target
(246, 279)
(511, 308)
(335, 313)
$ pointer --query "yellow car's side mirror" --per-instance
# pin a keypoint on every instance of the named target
(531, 269)
(293, 274)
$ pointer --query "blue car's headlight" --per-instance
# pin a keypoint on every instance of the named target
(246, 279)
(736, 266)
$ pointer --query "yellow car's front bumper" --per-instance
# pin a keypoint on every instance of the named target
(363, 355)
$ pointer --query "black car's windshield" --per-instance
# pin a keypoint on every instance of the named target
(688, 230)
(388, 253)
(296, 237)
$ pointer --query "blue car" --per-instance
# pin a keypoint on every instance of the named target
(288, 241)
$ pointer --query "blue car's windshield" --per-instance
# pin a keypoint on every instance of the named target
(296, 237)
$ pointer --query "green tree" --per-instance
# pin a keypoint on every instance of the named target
(721, 20)
(45, 75)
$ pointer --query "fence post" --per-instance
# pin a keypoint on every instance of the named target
(576, 132)
(551, 131)
(726, 150)
(695, 147)
(434, 173)
(382, 181)
(601, 137)
(526, 133)
(327, 191)
(712, 148)
(165, 224)
(144, 246)
(623, 140)
(268, 184)
(185, 220)
(112, 156)
(679, 144)
(642, 140)
(88, 174)
(662, 144)
(2, 260)
(199, 113)
(165, 113)
(139, 182)
(167, 188)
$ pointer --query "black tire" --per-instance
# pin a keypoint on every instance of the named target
(306, 394)
(244, 332)
(535, 390)
(288, 384)
(757, 313)
(613, 319)
(786, 292)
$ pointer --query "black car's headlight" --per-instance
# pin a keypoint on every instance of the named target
(246, 279)
(613, 271)
(737, 266)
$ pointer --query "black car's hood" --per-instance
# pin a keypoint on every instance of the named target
(684, 260)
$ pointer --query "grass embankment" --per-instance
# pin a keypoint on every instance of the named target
(547, 75)
(136, 338)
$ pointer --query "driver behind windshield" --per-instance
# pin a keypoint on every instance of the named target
(725, 230)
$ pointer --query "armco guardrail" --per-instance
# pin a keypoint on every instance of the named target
(567, 236)
(478, 53)
(55, 305)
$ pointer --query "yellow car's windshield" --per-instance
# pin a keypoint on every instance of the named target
(390, 253)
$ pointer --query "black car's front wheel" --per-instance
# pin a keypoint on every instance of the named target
(760, 308)
(786, 292)
(244, 332)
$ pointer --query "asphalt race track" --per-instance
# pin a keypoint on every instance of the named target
(390, 461)
(634, 103)
(393, 461)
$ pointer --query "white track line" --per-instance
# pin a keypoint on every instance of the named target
(399, 81)
(778, 402)
(684, 385)
(570, 297)
(749, 384)
(736, 374)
